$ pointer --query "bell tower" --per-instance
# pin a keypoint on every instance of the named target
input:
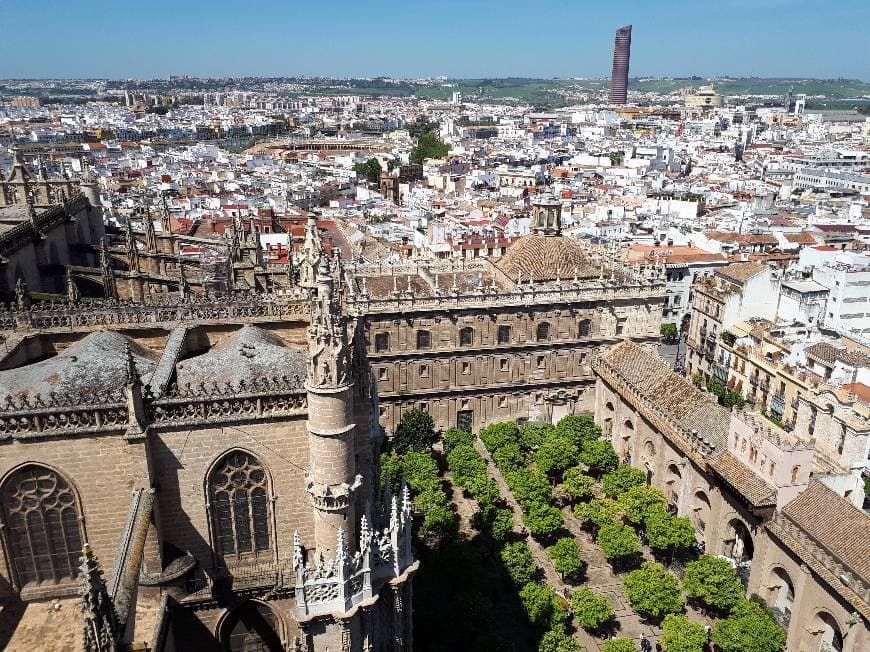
(546, 215)
(331, 480)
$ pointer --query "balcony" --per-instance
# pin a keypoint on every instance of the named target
(777, 405)
(720, 372)
(764, 385)
(753, 380)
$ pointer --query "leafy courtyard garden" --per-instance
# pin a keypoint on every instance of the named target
(506, 583)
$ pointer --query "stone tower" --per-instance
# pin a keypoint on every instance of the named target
(332, 479)
(547, 215)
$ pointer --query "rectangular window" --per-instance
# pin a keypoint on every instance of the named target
(540, 362)
(382, 342)
(465, 420)
(466, 368)
(620, 326)
(382, 373)
(502, 401)
(424, 371)
(504, 365)
(504, 334)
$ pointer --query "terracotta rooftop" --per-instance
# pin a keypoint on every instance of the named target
(545, 258)
(672, 393)
(835, 524)
(741, 272)
(758, 492)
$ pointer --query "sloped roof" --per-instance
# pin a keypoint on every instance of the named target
(669, 391)
(741, 272)
(835, 524)
(758, 492)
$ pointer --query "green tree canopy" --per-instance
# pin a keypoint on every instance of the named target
(566, 556)
(555, 455)
(452, 437)
(682, 635)
(666, 532)
(483, 489)
(617, 540)
(597, 513)
(509, 458)
(429, 145)
(420, 471)
(502, 525)
(652, 591)
(370, 170)
(391, 470)
(621, 479)
(619, 645)
(518, 562)
(439, 525)
(429, 499)
(590, 609)
(529, 486)
(542, 519)
(542, 606)
(579, 428)
(749, 629)
(576, 484)
(498, 434)
(415, 432)
(638, 503)
(465, 463)
(713, 582)
(534, 434)
(599, 456)
(558, 641)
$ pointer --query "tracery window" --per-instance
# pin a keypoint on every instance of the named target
(239, 500)
(43, 526)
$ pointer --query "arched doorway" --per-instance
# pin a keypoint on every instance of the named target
(700, 512)
(781, 595)
(830, 636)
(251, 627)
(740, 548)
(673, 487)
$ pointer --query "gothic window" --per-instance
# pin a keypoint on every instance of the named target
(424, 340)
(543, 331)
(466, 336)
(43, 526)
(504, 334)
(585, 327)
(239, 499)
(382, 342)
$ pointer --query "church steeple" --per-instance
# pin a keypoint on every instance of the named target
(327, 334)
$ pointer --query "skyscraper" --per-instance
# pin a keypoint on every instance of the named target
(621, 55)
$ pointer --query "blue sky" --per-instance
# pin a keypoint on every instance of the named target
(459, 38)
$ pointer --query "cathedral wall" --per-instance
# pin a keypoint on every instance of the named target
(183, 459)
(102, 470)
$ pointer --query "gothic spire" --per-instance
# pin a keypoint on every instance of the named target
(72, 292)
(101, 627)
(327, 333)
(312, 253)
(132, 249)
(111, 290)
(150, 235)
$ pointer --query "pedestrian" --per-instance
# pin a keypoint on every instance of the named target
(645, 645)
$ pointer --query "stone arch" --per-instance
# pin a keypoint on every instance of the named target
(701, 511)
(673, 484)
(44, 525)
(781, 587)
(238, 494)
(255, 625)
(738, 543)
(829, 632)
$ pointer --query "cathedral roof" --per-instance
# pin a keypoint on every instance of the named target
(546, 258)
(96, 363)
(248, 353)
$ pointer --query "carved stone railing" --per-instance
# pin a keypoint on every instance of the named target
(95, 313)
(263, 398)
(22, 417)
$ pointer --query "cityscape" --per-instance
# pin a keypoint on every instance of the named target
(530, 355)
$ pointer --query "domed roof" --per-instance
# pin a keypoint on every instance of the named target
(546, 258)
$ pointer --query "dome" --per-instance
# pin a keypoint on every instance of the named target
(545, 258)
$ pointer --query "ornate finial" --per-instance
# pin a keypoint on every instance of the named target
(132, 374)
(108, 273)
(183, 286)
(340, 547)
(31, 211)
(312, 252)
(101, 627)
(298, 559)
(365, 286)
(406, 503)
(395, 284)
(72, 292)
(327, 334)
(394, 513)
(365, 534)
(22, 295)
(132, 249)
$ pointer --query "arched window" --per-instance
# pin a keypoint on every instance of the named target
(543, 331)
(43, 526)
(251, 627)
(424, 340)
(466, 336)
(794, 473)
(239, 499)
(585, 327)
